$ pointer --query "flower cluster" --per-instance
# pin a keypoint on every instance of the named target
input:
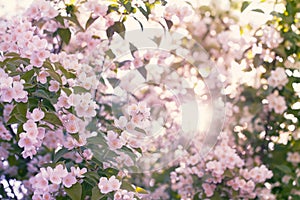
(83, 104)
(48, 180)
(124, 195)
(276, 103)
(33, 136)
(11, 88)
(108, 185)
(278, 78)
(4, 133)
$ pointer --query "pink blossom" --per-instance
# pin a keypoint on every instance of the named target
(37, 114)
(60, 170)
(35, 60)
(114, 183)
(100, 9)
(121, 122)
(39, 44)
(278, 78)
(47, 196)
(43, 54)
(29, 124)
(69, 180)
(249, 187)
(113, 141)
(276, 103)
(63, 102)
(42, 77)
(293, 157)
(7, 95)
(32, 133)
(87, 154)
(108, 185)
(208, 189)
(19, 92)
(133, 109)
(54, 86)
(72, 127)
(271, 37)
(55, 178)
(104, 185)
(25, 142)
(29, 152)
(76, 171)
(39, 182)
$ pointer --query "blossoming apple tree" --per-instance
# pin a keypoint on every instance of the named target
(200, 102)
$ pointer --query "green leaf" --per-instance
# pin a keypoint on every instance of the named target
(90, 21)
(27, 75)
(93, 176)
(110, 31)
(48, 104)
(97, 140)
(55, 76)
(258, 10)
(112, 7)
(65, 72)
(163, 2)
(75, 136)
(110, 171)
(21, 108)
(46, 127)
(52, 119)
(110, 54)
(75, 191)
(42, 94)
(196, 196)
(245, 5)
(96, 195)
(12, 120)
(18, 114)
(20, 128)
(33, 101)
(97, 161)
(257, 60)
(169, 23)
(114, 82)
(73, 18)
(21, 118)
(127, 186)
(67, 91)
(60, 19)
(79, 90)
(53, 165)
(296, 145)
(143, 72)
(128, 6)
(28, 86)
(138, 150)
(117, 27)
(59, 154)
(11, 54)
(65, 34)
(12, 160)
(70, 8)
(144, 12)
(157, 40)
(216, 196)
(285, 169)
(48, 65)
(132, 48)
